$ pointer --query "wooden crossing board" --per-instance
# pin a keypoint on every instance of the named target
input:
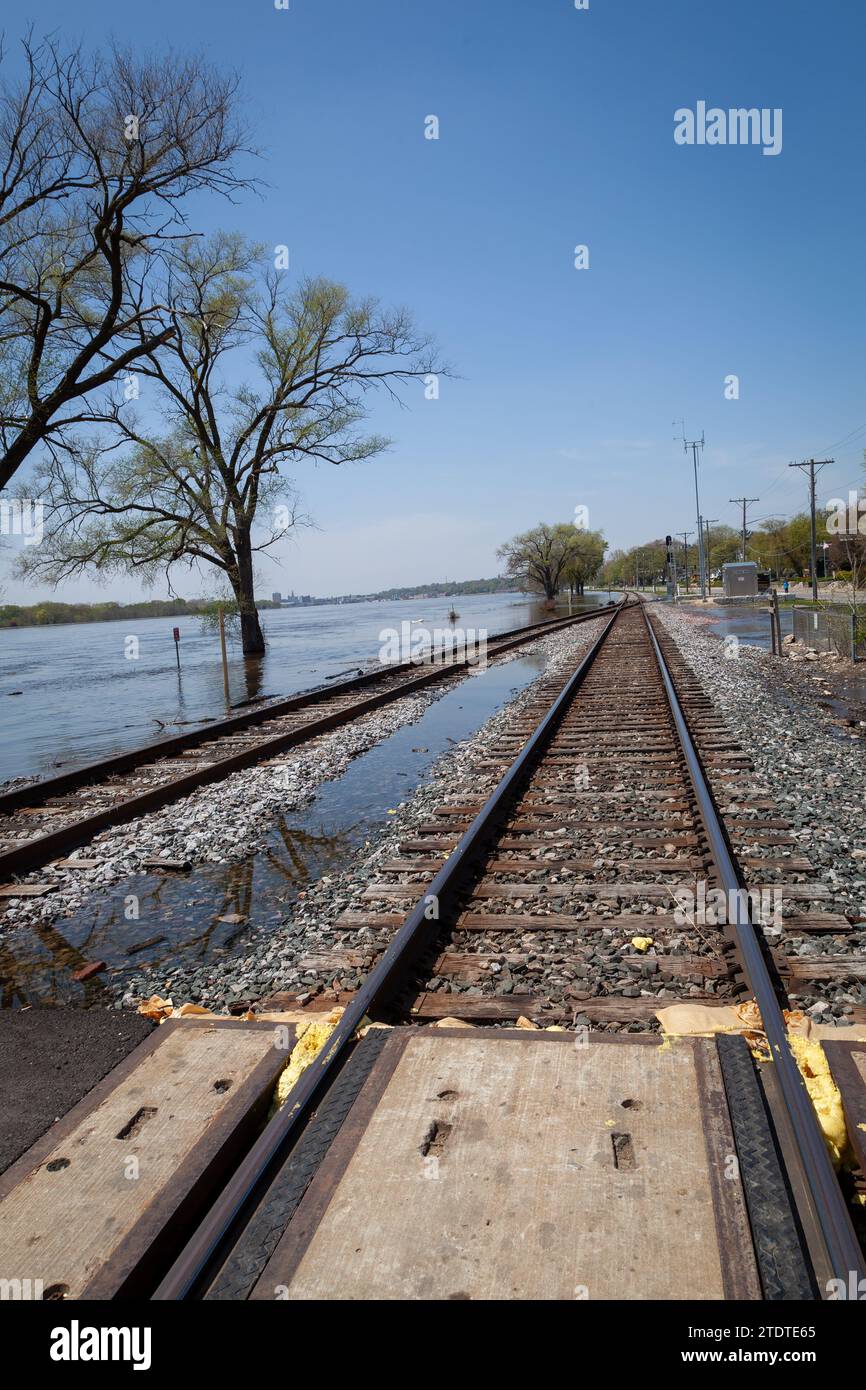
(119, 1173)
(491, 1164)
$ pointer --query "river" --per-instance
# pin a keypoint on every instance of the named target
(72, 694)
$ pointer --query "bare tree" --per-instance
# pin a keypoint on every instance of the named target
(207, 486)
(98, 157)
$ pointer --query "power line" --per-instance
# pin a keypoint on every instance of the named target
(775, 482)
(854, 432)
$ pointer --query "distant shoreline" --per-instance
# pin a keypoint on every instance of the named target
(14, 616)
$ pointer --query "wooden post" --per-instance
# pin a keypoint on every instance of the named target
(223, 649)
(775, 624)
(175, 632)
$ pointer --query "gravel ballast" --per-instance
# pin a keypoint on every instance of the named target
(810, 762)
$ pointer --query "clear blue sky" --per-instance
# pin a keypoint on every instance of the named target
(556, 128)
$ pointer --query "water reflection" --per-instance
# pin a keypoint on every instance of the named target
(253, 676)
(748, 624)
(218, 910)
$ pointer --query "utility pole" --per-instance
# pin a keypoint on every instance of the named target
(812, 464)
(685, 535)
(708, 524)
(745, 502)
(694, 445)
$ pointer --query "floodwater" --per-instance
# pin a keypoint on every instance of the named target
(750, 625)
(72, 694)
(179, 915)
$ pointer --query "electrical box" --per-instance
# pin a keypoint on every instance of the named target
(740, 579)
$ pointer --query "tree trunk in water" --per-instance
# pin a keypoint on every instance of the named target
(252, 639)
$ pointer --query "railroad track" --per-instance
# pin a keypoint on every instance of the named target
(608, 795)
(44, 820)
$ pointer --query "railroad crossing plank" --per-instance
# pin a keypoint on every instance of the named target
(118, 1174)
(455, 1177)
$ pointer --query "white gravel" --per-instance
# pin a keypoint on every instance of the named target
(810, 762)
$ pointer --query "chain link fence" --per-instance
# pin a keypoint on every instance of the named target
(830, 630)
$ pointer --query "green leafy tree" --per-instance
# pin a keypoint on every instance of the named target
(585, 556)
(545, 558)
(784, 546)
(723, 547)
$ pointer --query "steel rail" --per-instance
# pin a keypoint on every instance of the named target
(829, 1207)
(210, 1242)
(40, 850)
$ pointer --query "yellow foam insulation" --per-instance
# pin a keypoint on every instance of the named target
(804, 1039)
(824, 1094)
(156, 1008)
(305, 1050)
(642, 943)
(160, 1009)
(316, 1032)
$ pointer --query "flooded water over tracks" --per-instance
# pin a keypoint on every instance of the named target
(215, 911)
